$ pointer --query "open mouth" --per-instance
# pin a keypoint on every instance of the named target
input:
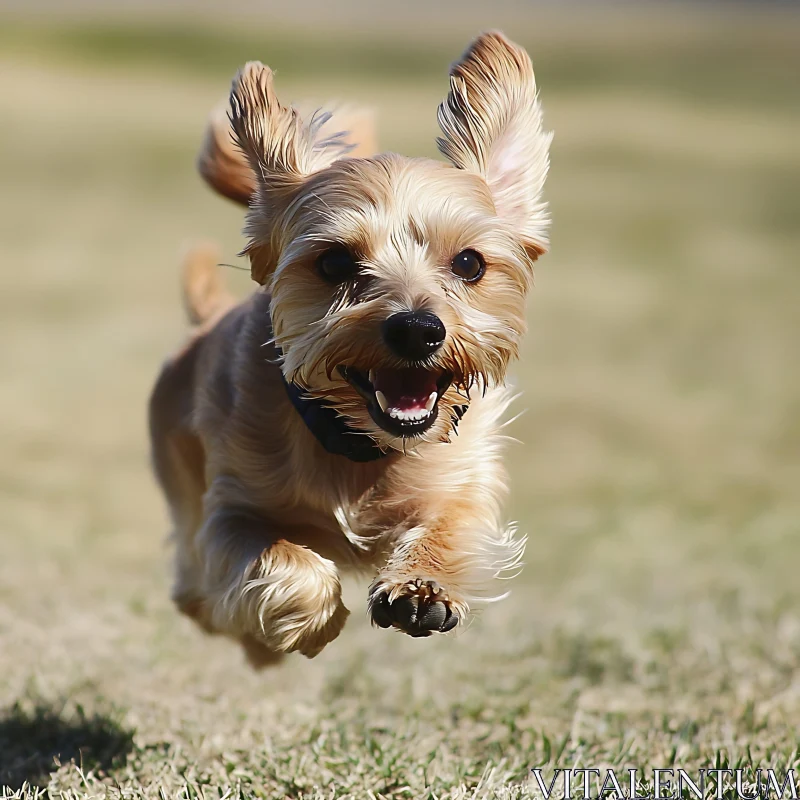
(404, 401)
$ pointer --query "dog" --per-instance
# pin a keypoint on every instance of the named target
(348, 414)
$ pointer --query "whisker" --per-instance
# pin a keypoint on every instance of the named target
(235, 266)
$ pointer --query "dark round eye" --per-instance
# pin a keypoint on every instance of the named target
(468, 265)
(337, 264)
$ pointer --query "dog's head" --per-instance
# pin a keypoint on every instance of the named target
(398, 285)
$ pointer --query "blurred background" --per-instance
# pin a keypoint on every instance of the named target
(658, 471)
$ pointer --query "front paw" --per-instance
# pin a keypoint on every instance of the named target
(417, 607)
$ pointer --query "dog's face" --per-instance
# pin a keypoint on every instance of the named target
(398, 285)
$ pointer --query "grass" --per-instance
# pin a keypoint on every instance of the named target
(656, 622)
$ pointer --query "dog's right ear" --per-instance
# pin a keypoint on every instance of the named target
(282, 149)
(280, 146)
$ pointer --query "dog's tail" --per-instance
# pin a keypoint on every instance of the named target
(205, 296)
(224, 167)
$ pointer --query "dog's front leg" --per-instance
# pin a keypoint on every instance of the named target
(262, 588)
(443, 541)
(439, 567)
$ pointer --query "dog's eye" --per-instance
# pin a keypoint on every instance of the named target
(468, 265)
(337, 264)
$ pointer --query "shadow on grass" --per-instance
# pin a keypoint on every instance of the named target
(35, 741)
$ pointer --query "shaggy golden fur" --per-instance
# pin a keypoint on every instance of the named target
(264, 516)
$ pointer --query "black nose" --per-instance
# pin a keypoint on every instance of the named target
(414, 335)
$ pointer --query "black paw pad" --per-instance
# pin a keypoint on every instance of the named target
(417, 614)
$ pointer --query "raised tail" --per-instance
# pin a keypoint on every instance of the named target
(225, 169)
(205, 295)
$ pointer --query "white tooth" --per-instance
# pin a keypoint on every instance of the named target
(431, 402)
(382, 401)
(372, 376)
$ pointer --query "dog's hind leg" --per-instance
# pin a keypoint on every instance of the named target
(179, 464)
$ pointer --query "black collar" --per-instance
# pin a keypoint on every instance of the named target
(330, 428)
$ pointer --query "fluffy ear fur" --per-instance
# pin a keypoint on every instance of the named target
(492, 125)
(224, 167)
(279, 145)
(281, 148)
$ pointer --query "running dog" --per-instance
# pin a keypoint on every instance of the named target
(347, 416)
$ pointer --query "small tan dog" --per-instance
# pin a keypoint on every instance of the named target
(348, 414)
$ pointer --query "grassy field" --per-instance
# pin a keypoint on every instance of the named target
(657, 621)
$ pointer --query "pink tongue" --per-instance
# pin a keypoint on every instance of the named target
(405, 389)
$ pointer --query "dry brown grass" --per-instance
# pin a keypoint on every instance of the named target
(657, 619)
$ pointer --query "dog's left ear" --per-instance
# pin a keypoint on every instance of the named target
(492, 125)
